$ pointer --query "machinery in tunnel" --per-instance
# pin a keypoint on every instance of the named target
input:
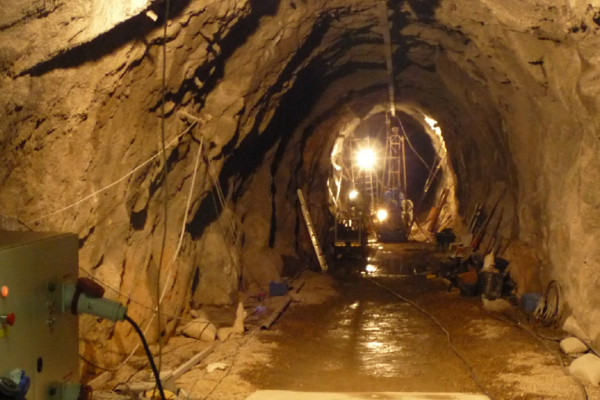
(40, 300)
(371, 171)
(271, 86)
(395, 211)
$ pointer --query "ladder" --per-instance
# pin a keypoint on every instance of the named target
(365, 181)
(311, 231)
(395, 162)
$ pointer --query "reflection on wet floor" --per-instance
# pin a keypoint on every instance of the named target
(413, 259)
(368, 339)
(377, 338)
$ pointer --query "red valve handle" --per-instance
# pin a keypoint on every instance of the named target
(9, 319)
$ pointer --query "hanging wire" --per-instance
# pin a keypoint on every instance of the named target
(130, 299)
(165, 185)
(121, 179)
(433, 174)
(187, 208)
(156, 310)
(429, 168)
(385, 27)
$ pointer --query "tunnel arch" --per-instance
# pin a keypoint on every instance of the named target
(512, 86)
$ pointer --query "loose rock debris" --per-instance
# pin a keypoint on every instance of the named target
(526, 374)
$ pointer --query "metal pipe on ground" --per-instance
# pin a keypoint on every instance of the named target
(281, 303)
(169, 377)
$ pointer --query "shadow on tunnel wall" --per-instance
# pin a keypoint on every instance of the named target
(212, 72)
(135, 29)
(425, 9)
(292, 109)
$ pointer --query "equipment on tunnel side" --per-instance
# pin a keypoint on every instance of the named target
(41, 297)
(444, 239)
(396, 227)
(36, 336)
(311, 231)
(398, 214)
(478, 237)
(350, 237)
(436, 212)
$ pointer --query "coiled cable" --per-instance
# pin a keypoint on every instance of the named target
(550, 306)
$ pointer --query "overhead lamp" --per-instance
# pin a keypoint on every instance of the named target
(353, 194)
(382, 214)
(366, 158)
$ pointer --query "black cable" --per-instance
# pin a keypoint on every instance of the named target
(467, 364)
(549, 309)
(165, 185)
(149, 354)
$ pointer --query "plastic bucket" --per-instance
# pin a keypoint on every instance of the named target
(529, 301)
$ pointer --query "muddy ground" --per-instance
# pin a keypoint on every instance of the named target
(347, 332)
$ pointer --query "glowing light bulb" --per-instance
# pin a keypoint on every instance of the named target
(366, 158)
(382, 214)
(353, 194)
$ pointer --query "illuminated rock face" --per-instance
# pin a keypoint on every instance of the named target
(512, 84)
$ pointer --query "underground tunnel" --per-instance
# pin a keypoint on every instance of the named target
(172, 138)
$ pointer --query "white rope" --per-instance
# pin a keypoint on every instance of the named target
(185, 216)
(171, 263)
(168, 145)
(222, 202)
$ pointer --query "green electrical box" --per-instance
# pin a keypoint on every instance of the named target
(38, 339)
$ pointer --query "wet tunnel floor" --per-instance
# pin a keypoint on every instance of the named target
(367, 339)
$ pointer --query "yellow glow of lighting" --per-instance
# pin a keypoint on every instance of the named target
(353, 194)
(366, 158)
(382, 214)
(370, 268)
(433, 124)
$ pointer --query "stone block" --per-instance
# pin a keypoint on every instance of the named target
(572, 345)
(586, 368)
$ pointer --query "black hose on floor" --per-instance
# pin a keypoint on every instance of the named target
(470, 368)
(149, 354)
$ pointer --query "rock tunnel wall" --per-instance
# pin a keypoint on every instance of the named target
(268, 85)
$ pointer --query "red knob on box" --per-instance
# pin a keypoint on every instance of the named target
(8, 319)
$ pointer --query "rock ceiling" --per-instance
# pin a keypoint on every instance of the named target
(270, 84)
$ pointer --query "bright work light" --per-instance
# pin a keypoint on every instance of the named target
(353, 194)
(382, 214)
(366, 158)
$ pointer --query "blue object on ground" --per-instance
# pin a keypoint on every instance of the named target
(529, 301)
(278, 288)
